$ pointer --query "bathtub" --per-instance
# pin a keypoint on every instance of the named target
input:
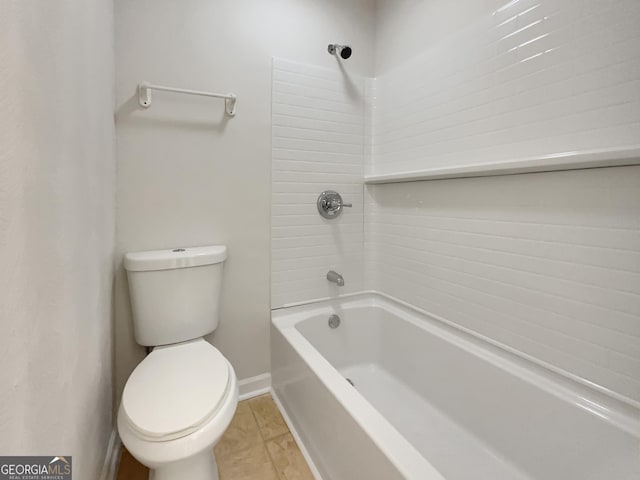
(395, 393)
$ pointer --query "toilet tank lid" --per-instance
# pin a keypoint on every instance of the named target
(171, 258)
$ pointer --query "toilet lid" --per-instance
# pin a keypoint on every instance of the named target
(175, 390)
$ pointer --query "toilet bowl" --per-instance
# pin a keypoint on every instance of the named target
(175, 407)
(180, 399)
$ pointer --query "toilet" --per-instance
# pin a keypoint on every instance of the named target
(181, 398)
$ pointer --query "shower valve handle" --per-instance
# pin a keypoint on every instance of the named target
(335, 204)
(330, 204)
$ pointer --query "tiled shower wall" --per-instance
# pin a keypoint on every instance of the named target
(547, 264)
(531, 77)
(317, 117)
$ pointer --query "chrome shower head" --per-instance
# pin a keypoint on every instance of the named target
(344, 50)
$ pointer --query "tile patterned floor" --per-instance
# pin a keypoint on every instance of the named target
(256, 446)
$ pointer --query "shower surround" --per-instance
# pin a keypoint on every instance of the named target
(546, 264)
(542, 267)
(318, 144)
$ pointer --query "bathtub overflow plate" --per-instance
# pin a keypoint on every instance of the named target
(334, 321)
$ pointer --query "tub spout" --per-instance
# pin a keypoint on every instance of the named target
(335, 278)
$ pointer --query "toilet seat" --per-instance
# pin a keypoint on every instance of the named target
(175, 390)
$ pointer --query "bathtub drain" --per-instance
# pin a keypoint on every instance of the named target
(350, 381)
(334, 321)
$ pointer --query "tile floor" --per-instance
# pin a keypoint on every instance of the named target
(256, 446)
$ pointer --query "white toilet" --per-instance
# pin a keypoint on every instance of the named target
(180, 399)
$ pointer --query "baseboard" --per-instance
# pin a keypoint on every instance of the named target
(305, 453)
(112, 457)
(254, 386)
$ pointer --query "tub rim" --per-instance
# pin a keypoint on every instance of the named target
(620, 411)
(400, 452)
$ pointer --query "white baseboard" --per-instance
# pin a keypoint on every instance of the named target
(112, 457)
(254, 386)
(294, 433)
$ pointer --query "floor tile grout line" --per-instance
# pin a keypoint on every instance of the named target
(275, 437)
(255, 418)
(286, 434)
(273, 463)
(264, 441)
(262, 436)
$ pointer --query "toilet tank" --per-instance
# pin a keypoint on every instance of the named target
(175, 293)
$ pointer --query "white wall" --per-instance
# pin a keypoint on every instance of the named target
(190, 176)
(548, 264)
(57, 185)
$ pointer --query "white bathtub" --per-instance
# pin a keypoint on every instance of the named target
(431, 401)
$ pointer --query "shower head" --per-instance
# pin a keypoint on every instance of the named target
(344, 50)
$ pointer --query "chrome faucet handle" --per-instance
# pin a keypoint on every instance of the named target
(330, 204)
(336, 203)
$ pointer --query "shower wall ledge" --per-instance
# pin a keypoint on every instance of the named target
(618, 157)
